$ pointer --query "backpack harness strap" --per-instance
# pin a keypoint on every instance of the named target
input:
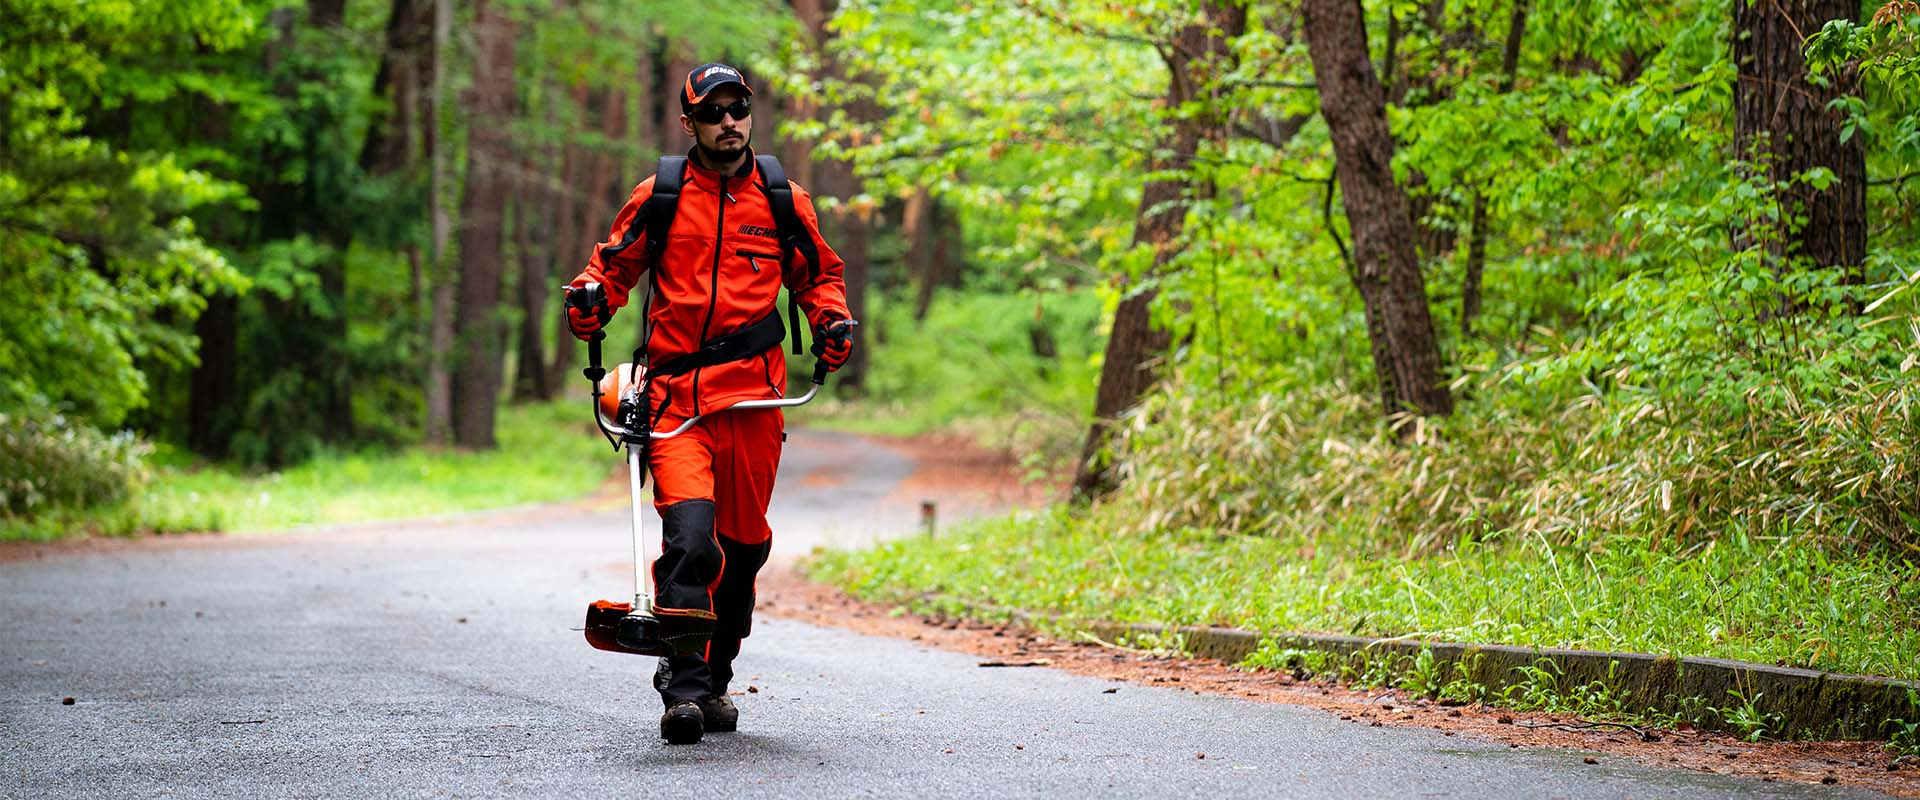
(658, 213)
(793, 234)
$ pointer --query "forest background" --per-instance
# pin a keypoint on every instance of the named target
(1584, 323)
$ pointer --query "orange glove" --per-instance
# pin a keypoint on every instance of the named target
(833, 343)
(587, 309)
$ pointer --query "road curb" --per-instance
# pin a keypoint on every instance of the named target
(1792, 703)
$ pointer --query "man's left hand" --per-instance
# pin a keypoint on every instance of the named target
(833, 343)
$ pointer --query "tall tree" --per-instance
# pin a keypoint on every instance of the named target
(1785, 122)
(478, 331)
(393, 142)
(1386, 270)
(930, 228)
(439, 306)
(567, 229)
(1197, 55)
(532, 244)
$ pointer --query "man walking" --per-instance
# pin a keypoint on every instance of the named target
(716, 242)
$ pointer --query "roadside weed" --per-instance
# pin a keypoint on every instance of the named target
(1903, 738)
(1746, 719)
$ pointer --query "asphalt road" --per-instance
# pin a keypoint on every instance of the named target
(442, 659)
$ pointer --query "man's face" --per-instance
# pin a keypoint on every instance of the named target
(727, 138)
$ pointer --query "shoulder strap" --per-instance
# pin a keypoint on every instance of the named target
(658, 214)
(662, 204)
(793, 234)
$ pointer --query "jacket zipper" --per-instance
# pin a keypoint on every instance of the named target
(753, 258)
(713, 288)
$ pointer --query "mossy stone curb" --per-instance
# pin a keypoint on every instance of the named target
(1798, 703)
(1795, 703)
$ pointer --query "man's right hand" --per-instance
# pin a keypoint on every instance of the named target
(587, 310)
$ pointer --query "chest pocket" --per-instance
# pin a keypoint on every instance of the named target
(760, 260)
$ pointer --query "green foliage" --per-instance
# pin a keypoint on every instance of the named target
(972, 365)
(99, 260)
(1903, 737)
(1034, 136)
(50, 462)
(548, 452)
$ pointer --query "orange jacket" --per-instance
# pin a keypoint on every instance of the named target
(721, 271)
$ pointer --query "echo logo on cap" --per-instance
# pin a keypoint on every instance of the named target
(723, 70)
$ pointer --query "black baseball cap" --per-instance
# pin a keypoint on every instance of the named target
(708, 77)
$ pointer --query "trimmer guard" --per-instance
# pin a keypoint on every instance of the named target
(615, 628)
(607, 620)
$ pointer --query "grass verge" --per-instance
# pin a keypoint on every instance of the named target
(547, 452)
(1778, 601)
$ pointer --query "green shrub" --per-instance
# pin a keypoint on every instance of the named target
(1842, 465)
(48, 462)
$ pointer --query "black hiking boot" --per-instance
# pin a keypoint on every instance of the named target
(720, 714)
(682, 724)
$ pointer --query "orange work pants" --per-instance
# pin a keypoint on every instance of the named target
(711, 486)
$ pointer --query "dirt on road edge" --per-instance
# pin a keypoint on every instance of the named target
(949, 464)
(783, 592)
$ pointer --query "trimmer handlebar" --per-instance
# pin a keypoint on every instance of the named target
(592, 296)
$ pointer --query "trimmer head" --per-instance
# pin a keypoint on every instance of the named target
(614, 627)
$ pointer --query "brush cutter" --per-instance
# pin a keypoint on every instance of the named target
(620, 409)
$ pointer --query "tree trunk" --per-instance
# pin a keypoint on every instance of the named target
(322, 335)
(567, 253)
(1406, 354)
(679, 62)
(1782, 121)
(1197, 55)
(477, 330)
(211, 389)
(929, 229)
(439, 310)
(535, 287)
(1477, 245)
(392, 142)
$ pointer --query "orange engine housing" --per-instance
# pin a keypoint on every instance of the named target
(614, 387)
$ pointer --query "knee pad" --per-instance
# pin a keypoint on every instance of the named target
(685, 573)
(687, 527)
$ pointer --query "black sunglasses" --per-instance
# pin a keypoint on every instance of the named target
(710, 114)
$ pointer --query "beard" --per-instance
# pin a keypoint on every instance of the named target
(725, 151)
